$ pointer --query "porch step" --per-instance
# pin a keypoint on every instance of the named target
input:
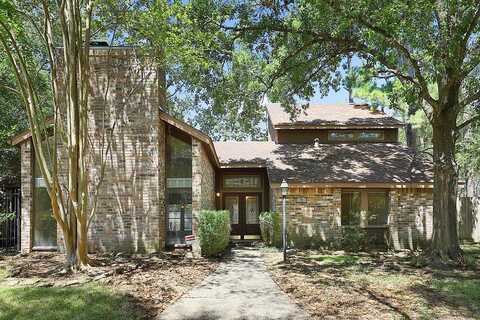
(246, 243)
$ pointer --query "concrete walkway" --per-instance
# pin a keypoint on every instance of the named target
(240, 288)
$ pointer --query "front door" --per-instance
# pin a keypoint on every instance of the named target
(244, 211)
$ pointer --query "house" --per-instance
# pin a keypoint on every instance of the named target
(343, 163)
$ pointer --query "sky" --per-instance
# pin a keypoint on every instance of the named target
(341, 96)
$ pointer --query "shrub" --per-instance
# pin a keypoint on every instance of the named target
(271, 229)
(213, 231)
(353, 239)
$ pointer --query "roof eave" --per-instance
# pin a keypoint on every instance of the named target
(307, 126)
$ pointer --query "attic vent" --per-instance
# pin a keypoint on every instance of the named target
(99, 43)
(316, 142)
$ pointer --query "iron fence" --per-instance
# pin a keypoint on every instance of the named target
(10, 219)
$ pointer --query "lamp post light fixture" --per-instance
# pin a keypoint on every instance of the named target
(284, 188)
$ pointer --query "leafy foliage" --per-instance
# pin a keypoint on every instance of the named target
(305, 44)
(353, 238)
(271, 229)
(6, 216)
(213, 231)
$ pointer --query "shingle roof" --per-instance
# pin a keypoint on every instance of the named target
(368, 162)
(331, 115)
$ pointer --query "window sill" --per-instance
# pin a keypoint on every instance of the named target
(44, 248)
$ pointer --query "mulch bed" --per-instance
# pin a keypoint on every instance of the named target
(151, 282)
(374, 287)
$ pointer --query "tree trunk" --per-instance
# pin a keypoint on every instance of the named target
(70, 251)
(445, 243)
(410, 133)
(82, 245)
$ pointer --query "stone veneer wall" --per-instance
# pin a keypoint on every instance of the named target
(203, 181)
(411, 218)
(130, 213)
(131, 206)
(314, 216)
(26, 168)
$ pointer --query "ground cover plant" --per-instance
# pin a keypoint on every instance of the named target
(379, 285)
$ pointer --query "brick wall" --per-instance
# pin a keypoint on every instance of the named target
(203, 180)
(314, 216)
(411, 218)
(124, 95)
(26, 167)
(130, 212)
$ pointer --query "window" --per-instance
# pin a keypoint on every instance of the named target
(374, 204)
(232, 205)
(179, 188)
(371, 136)
(340, 136)
(251, 209)
(351, 202)
(357, 135)
(377, 211)
(242, 182)
(44, 224)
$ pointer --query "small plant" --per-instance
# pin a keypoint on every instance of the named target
(353, 239)
(270, 228)
(213, 231)
(6, 216)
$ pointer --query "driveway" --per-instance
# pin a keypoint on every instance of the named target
(241, 288)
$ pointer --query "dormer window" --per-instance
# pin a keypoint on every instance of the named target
(371, 136)
(340, 136)
(355, 136)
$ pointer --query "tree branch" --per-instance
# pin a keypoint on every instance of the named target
(468, 122)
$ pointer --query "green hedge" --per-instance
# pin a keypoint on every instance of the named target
(271, 229)
(354, 238)
(213, 231)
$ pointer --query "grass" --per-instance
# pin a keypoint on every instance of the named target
(85, 302)
(467, 290)
(381, 286)
(335, 260)
(3, 273)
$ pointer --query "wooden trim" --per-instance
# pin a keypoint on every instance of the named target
(193, 132)
(27, 133)
(359, 185)
(295, 127)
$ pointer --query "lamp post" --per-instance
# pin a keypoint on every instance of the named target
(284, 188)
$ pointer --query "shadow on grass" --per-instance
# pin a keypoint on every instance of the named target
(386, 277)
(86, 302)
(454, 292)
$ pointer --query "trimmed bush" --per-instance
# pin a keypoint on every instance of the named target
(354, 238)
(213, 231)
(271, 229)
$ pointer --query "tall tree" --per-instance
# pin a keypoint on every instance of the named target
(65, 23)
(216, 88)
(419, 43)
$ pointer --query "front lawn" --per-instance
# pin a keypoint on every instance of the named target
(339, 285)
(121, 286)
(84, 302)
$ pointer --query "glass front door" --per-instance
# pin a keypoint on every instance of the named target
(244, 213)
